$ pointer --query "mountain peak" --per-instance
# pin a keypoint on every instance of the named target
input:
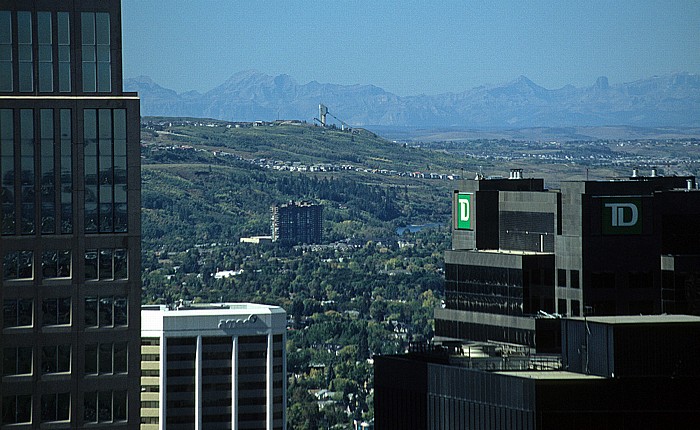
(602, 83)
(668, 100)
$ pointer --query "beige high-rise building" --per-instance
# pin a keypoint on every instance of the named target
(213, 366)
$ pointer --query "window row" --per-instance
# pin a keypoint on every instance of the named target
(42, 60)
(106, 311)
(18, 409)
(100, 358)
(100, 264)
(30, 188)
(105, 406)
(103, 358)
(100, 406)
(19, 312)
(106, 264)
(99, 312)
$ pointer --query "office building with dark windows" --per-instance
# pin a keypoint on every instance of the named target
(69, 218)
(562, 310)
(609, 247)
(630, 372)
(213, 366)
(297, 222)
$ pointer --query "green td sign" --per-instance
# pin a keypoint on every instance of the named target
(622, 215)
(464, 211)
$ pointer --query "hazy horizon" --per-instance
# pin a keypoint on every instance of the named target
(409, 48)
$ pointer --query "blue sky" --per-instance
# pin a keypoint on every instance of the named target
(409, 47)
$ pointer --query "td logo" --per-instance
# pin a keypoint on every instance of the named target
(464, 211)
(622, 216)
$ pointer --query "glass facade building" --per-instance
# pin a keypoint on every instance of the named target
(69, 218)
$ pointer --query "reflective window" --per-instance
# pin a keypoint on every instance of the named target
(64, 75)
(56, 264)
(105, 171)
(17, 361)
(106, 358)
(45, 38)
(17, 313)
(120, 171)
(66, 169)
(27, 170)
(6, 51)
(106, 264)
(120, 357)
(97, 67)
(55, 311)
(106, 311)
(119, 404)
(90, 167)
(91, 265)
(18, 265)
(105, 406)
(48, 172)
(55, 359)
(17, 409)
(24, 52)
(121, 311)
(91, 311)
(55, 407)
(120, 264)
(88, 49)
(7, 172)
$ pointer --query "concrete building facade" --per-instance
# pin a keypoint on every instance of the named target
(213, 366)
(69, 218)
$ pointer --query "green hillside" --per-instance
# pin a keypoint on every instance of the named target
(205, 186)
(207, 183)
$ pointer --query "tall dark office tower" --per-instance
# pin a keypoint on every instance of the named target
(613, 247)
(69, 218)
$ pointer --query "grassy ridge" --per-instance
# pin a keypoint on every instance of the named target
(192, 191)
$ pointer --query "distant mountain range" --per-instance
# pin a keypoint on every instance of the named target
(669, 100)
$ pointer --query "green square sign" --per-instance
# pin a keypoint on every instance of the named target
(464, 212)
(622, 215)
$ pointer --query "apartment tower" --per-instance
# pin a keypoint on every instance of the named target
(297, 222)
(69, 218)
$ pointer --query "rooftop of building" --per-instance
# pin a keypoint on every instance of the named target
(510, 252)
(546, 374)
(652, 180)
(642, 319)
(302, 203)
(184, 308)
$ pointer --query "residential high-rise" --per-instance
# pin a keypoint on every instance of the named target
(69, 218)
(297, 222)
(213, 366)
